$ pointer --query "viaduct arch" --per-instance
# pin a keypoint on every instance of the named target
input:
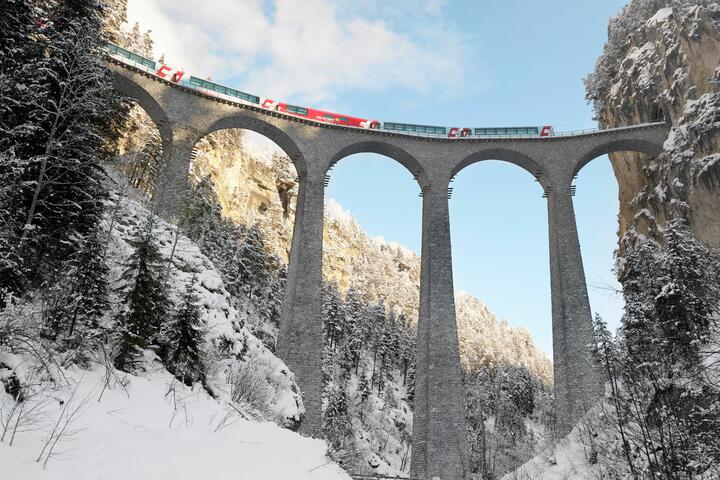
(439, 445)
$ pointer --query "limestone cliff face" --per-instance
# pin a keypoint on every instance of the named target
(661, 61)
(256, 183)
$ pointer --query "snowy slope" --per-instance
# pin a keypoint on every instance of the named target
(155, 428)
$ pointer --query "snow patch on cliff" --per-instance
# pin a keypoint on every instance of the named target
(661, 16)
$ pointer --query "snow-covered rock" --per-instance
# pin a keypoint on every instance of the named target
(664, 63)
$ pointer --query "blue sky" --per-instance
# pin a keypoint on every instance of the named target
(452, 63)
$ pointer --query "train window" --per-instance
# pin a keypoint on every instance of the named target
(298, 110)
(344, 119)
(329, 116)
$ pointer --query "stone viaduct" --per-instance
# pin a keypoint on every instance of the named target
(183, 116)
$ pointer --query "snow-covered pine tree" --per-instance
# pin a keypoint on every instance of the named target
(606, 355)
(18, 24)
(63, 110)
(140, 42)
(373, 329)
(333, 316)
(114, 18)
(669, 402)
(201, 214)
(145, 298)
(253, 263)
(337, 425)
(182, 338)
(355, 322)
(85, 296)
(406, 349)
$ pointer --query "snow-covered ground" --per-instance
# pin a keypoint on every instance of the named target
(155, 428)
(562, 461)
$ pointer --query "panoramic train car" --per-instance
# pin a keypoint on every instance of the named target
(410, 128)
(207, 87)
(320, 115)
(215, 88)
(543, 131)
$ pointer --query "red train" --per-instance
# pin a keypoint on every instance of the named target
(320, 115)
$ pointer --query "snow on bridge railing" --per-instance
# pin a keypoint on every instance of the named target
(363, 476)
(587, 131)
(572, 133)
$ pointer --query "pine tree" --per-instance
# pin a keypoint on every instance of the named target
(364, 388)
(253, 272)
(62, 111)
(182, 339)
(605, 353)
(146, 301)
(18, 24)
(337, 425)
(333, 316)
(356, 325)
(669, 411)
(114, 18)
(84, 296)
(201, 214)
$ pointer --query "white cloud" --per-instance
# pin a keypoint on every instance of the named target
(308, 50)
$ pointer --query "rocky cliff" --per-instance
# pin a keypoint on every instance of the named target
(661, 62)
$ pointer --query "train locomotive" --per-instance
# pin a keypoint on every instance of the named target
(210, 88)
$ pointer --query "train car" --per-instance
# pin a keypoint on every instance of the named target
(410, 128)
(130, 57)
(459, 133)
(320, 115)
(216, 89)
(543, 131)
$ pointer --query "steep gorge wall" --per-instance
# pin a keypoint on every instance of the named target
(661, 61)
